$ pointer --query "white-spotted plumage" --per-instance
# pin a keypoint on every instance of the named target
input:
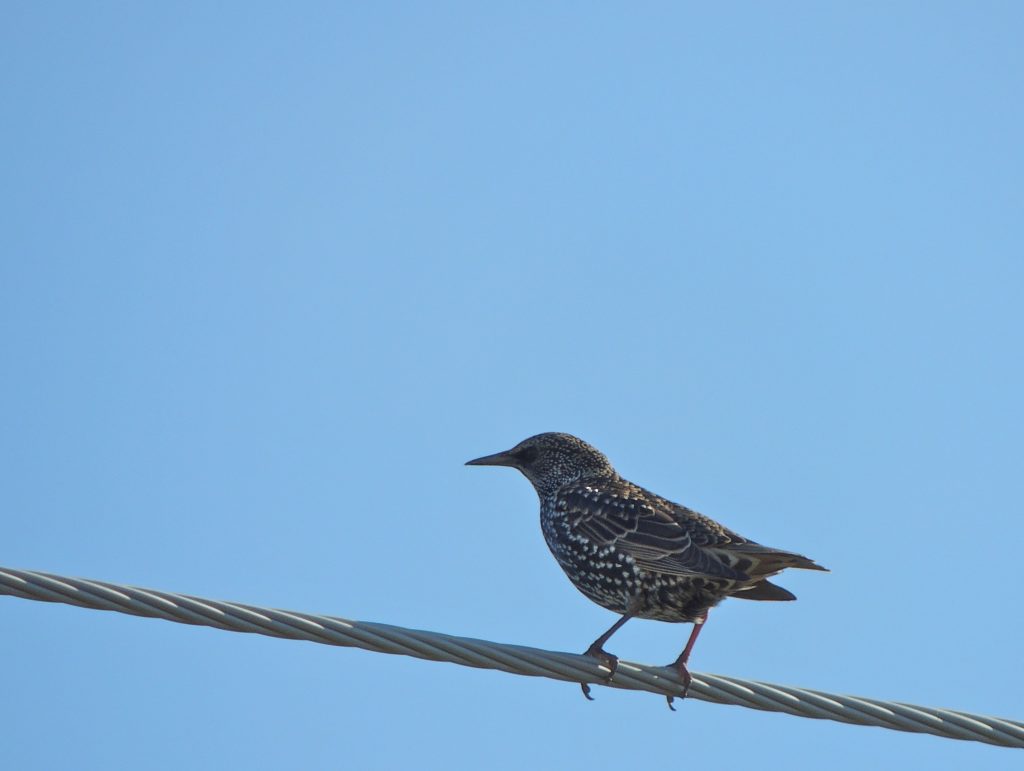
(632, 551)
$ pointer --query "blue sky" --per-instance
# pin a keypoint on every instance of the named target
(270, 274)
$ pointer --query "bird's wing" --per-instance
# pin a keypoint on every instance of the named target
(648, 528)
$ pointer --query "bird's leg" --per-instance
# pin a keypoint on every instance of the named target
(597, 651)
(680, 663)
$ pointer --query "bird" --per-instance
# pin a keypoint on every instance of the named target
(634, 552)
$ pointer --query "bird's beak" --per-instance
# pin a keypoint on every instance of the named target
(498, 459)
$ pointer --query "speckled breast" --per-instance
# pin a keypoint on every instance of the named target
(611, 578)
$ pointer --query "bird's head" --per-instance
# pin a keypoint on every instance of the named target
(551, 460)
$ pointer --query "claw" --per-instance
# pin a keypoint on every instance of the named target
(606, 660)
(685, 676)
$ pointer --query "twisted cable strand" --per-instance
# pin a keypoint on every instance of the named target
(382, 638)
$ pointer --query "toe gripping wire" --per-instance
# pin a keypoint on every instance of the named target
(515, 659)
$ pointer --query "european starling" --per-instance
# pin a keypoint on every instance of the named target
(634, 552)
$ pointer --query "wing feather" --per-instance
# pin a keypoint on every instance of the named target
(658, 534)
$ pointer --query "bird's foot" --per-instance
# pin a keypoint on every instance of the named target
(684, 676)
(606, 660)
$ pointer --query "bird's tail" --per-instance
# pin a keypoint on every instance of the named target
(753, 562)
(764, 590)
(766, 561)
(760, 562)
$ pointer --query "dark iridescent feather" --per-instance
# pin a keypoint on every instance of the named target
(632, 551)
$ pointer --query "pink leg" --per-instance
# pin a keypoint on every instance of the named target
(680, 663)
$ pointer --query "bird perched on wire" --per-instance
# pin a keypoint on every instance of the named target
(634, 552)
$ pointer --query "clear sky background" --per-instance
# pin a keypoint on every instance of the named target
(269, 274)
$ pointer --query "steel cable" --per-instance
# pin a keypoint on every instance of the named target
(382, 638)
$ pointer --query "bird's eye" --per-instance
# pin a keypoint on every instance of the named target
(527, 455)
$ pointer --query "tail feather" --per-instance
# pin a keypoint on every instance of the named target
(764, 590)
(768, 561)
